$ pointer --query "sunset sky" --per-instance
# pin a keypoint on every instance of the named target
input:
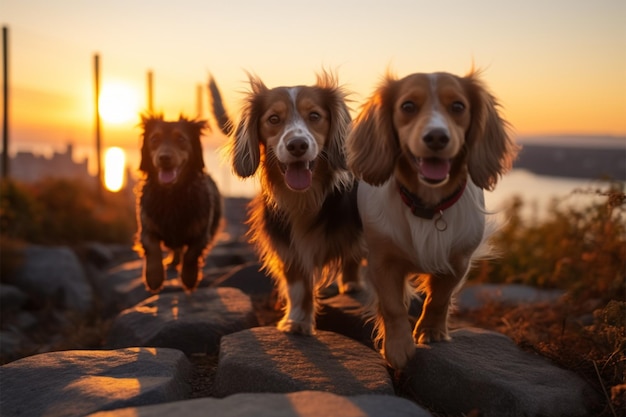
(557, 66)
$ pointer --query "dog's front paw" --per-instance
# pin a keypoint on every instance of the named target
(427, 335)
(297, 327)
(154, 275)
(189, 277)
(399, 351)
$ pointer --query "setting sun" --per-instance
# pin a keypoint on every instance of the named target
(118, 102)
(114, 168)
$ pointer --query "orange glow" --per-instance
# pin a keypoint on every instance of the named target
(114, 169)
(118, 103)
(565, 76)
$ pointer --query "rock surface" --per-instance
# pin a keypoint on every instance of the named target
(76, 383)
(475, 296)
(55, 273)
(487, 371)
(264, 359)
(193, 323)
(298, 404)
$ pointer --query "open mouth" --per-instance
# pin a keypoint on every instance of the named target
(298, 175)
(433, 171)
(168, 175)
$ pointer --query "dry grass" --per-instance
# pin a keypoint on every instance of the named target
(581, 251)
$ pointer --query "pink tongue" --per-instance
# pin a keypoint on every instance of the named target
(167, 176)
(298, 176)
(435, 168)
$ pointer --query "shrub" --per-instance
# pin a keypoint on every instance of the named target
(20, 213)
(581, 250)
(61, 211)
(578, 249)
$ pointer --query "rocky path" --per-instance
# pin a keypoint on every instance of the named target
(215, 352)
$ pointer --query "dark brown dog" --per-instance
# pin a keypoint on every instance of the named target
(178, 205)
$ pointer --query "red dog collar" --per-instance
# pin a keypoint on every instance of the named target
(419, 209)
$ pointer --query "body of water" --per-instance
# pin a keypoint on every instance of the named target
(538, 192)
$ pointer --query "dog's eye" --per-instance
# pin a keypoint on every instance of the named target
(155, 140)
(314, 116)
(274, 119)
(408, 107)
(181, 139)
(457, 107)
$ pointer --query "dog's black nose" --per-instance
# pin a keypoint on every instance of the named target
(165, 159)
(297, 146)
(436, 139)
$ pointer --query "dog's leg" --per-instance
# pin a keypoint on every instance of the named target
(299, 310)
(432, 325)
(350, 280)
(154, 274)
(191, 271)
(388, 279)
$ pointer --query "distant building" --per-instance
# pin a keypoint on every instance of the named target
(28, 167)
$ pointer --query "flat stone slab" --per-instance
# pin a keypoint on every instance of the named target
(193, 323)
(264, 359)
(297, 404)
(76, 383)
(486, 371)
(476, 296)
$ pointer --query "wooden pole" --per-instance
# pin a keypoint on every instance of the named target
(98, 133)
(199, 101)
(150, 96)
(5, 102)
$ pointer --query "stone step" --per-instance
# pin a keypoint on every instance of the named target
(264, 359)
(193, 323)
(297, 404)
(77, 383)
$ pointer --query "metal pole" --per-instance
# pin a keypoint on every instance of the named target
(98, 133)
(5, 102)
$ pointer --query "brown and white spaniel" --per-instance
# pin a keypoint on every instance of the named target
(304, 223)
(425, 146)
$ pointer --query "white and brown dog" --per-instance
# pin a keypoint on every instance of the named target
(425, 146)
(304, 223)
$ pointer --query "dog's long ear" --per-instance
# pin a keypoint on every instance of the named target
(491, 148)
(339, 115)
(147, 124)
(196, 128)
(372, 145)
(246, 144)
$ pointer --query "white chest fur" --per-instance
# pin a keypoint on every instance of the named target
(387, 219)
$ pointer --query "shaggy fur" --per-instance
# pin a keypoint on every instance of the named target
(178, 205)
(425, 146)
(304, 223)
